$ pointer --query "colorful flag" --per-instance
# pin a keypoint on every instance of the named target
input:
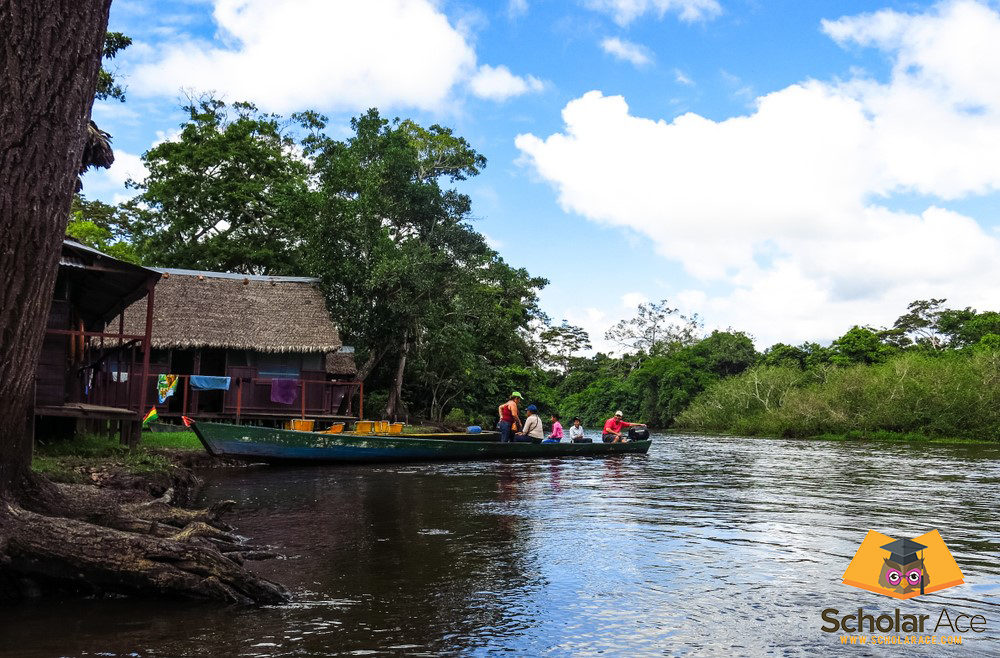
(150, 417)
(165, 386)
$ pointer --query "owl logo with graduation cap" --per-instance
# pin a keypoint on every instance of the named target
(903, 568)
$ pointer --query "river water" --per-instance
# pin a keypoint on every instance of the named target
(707, 546)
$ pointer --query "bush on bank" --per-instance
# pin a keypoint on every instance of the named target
(951, 394)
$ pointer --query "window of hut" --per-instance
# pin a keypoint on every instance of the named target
(280, 364)
(312, 361)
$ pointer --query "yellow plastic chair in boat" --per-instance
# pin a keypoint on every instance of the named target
(382, 427)
(336, 428)
(303, 425)
(395, 428)
(364, 427)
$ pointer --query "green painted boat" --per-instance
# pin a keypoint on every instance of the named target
(279, 445)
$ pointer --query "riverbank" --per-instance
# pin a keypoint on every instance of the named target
(97, 520)
(883, 436)
(162, 461)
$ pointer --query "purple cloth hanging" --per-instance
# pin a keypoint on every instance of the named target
(284, 391)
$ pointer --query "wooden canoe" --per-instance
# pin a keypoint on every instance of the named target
(276, 445)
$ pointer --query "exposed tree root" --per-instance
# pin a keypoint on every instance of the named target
(83, 538)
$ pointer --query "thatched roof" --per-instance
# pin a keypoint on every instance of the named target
(194, 310)
(341, 363)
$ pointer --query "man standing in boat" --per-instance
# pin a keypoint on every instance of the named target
(613, 428)
(509, 420)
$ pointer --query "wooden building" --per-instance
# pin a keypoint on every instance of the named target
(254, 330)
(82, 379)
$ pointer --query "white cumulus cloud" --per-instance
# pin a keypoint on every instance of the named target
(626, 11)
(627, 51)
(499, 84)
(631, 300)
(103, 183)
(791, 207)
(298, 54)
(516, 8)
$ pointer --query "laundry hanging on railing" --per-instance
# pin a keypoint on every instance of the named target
(165, 386)
(284, 391)
(209, 383)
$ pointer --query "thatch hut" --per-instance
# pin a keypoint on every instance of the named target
(253, 330)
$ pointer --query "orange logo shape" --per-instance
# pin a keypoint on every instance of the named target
(903, 568)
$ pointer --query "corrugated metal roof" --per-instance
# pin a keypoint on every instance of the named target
(230, 275)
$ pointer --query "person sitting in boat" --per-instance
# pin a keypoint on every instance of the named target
(576, 434)
(509, 420)
(614, 426)
(532, 430)
(557, 432)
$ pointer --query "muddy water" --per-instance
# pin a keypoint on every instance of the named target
(707, 546)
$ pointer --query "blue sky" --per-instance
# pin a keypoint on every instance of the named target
(784, 168)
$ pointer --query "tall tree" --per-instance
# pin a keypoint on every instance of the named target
(391, 244)
(102, 226)
(859, 345)
(471, 339)
(51, 55)
(656, 329)
(231, 193)
(919, 325)
(561, 342)
(108, 86)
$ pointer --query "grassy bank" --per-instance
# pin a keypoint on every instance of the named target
(84, 459)
(913, 397)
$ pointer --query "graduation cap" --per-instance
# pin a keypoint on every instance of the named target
(904, 551)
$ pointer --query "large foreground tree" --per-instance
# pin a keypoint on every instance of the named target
(51, 56)
(48, 73)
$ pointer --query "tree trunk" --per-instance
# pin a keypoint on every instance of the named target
(394, 407)
(48, 74)
(149, 557)
(366, 369)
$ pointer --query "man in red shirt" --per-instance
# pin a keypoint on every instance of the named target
(614, 426)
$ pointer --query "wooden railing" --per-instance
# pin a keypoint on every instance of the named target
(251, 396)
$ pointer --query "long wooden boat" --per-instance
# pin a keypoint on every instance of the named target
(275, 445)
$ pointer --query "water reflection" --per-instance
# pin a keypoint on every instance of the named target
(707, 546)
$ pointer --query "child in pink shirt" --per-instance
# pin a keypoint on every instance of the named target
(557, 432)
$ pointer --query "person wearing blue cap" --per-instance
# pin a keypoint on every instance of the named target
(532, 429)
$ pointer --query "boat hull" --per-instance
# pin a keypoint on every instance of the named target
(277, 445)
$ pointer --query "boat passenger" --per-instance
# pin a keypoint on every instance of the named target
(613, 428)
(509, 420)
(557, 432)
(532, 429)
(576, 434)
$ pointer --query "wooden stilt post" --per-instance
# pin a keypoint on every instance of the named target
(239, 399)
(147, 339)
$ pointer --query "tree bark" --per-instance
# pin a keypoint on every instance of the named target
(48, 74)
(57, 550)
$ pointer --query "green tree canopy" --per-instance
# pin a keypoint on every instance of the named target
(231, 193)
(398, 256)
